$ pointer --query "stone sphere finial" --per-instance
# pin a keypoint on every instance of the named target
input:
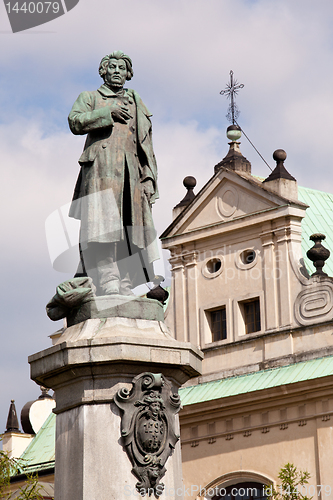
(318, 254)
(280, 171)
(279, 155)
(190, 182)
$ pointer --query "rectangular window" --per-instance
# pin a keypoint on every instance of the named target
(252, 316)
(218, 321)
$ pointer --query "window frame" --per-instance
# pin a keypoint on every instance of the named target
(206, 334)
(239, 314)
(256, 315)
(222, 321)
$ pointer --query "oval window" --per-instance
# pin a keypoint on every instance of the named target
(248, 256)
(213, 265)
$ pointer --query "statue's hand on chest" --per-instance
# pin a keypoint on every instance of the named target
(120, 112)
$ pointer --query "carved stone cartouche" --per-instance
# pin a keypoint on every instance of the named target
(148, 428)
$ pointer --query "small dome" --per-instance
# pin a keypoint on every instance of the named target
(34, 413)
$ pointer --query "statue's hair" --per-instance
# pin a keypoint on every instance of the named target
(118, 54)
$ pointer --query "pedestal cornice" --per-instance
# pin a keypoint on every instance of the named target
(93, 359)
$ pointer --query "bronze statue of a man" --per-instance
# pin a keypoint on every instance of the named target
(117, 183)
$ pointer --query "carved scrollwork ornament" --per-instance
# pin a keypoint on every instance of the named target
(148, 428)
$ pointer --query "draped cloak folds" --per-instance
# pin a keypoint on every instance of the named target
(112, 147)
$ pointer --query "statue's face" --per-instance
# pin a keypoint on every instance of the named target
(116, 73)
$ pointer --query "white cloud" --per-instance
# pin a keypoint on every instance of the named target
(38, 174)
(182, 150)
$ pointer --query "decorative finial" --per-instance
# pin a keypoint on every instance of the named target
(280, 171)
(45, 393)
(318, 254)
(231, 91)
(190, 183)
(12, 421)
(234, 133)
(279, 155)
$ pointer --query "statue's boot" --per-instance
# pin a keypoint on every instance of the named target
(126, 286)
(100, 264)
(111, 287)
(109, 278)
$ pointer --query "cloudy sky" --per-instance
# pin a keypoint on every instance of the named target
(182, 52)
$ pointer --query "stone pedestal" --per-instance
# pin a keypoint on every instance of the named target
(89, 363)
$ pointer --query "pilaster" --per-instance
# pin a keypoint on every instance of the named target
(283, 277)
(179, 296)
(269, 281)
(192, 309)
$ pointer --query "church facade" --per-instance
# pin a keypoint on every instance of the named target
(242, 291)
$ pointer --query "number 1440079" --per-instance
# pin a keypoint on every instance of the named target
(33, 7)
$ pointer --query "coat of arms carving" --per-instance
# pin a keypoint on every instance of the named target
(148, 428)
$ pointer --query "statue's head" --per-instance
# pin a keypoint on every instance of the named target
(108, 64)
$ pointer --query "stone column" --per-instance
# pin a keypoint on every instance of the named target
(87, 367)
(179, 294)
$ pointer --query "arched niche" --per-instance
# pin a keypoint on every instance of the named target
(238, 485)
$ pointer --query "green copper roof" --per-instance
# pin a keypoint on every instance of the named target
(40, 452)
(264, 379)
(318, 219)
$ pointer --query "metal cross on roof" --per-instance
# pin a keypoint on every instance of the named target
(231, 91)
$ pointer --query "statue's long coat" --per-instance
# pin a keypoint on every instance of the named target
(110, 145)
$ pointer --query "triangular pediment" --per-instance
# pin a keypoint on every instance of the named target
(227, 196)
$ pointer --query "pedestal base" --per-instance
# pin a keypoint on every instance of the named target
(90, 362)
(91, 463)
